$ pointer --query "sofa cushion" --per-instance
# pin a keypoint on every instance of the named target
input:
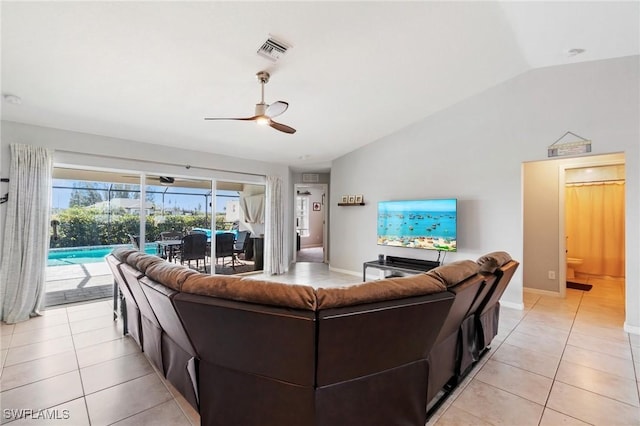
(253, 291)
(122, 253)
(455, 272)
(377, 291)
(491, 261)
(169, 274)
(145, 261)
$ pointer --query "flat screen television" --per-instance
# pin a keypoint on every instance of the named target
(422, 224)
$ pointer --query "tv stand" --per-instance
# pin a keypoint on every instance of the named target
(398, 266)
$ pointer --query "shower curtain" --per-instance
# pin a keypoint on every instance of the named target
(595, 227)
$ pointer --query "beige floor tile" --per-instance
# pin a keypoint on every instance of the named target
(547, 344)
(44, 393)
(109, 373)
(550, 320)
(6, 328)
(40, 335)
(46, 320)
(92, 324)
(498, 407)
(70, 413)
(457, 417)
(609, 347)
(85, 314)
(634, 339)
(605, 384)
(167, 413)
(553, 418)
(127, 399)
(535, 362)
(597, 360)
(537, 328)
(105, 351)
(38, 350)
(517, 381)
(5, 340)
(38, 369)
(612, 332)
(590, 407)
(100, 335)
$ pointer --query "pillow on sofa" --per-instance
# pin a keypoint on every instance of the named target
(169, 274)
(122, 253)
(494, 259)
(454, 272)
(253, 291)
(377, 291)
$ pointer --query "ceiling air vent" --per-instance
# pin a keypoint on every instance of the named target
(310, 177)
(273, 49)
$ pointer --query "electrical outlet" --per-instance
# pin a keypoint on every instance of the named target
(552, 275)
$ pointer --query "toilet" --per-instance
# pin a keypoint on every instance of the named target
(572, 262)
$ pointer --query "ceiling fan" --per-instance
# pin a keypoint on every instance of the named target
(264, 113)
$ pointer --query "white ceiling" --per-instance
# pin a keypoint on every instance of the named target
(150, 71)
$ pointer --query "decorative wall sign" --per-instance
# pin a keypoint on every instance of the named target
(582, 146)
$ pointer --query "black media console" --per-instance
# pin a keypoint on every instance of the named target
(398, 266)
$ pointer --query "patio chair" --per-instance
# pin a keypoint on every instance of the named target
(194, 247)
(224, 247)
(135, 241)
(240, 246)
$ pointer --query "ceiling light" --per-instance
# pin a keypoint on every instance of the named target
(264, 120)
(574, 52)
(12, 99)
(304, 157)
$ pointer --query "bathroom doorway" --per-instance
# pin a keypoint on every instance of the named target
(594, 224)
(311, 213)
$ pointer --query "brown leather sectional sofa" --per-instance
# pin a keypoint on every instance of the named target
(249, 352)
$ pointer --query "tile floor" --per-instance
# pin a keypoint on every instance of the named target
(560, 361)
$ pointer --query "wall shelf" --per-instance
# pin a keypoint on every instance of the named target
(351, 204)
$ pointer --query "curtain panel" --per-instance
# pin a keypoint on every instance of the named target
(26, 233)
(595, 227)
(275, 251)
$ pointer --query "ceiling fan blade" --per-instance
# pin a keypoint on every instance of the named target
(282, 127)
(276, 108)
(232, 118)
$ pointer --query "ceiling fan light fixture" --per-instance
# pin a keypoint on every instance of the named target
(263, 120)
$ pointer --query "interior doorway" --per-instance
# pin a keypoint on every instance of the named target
(594, 212)
(310, 230)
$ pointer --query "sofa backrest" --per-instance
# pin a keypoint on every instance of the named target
(114, 264)
(503, 273)
(264, 340)
(357, 339)
(131, 276)
(160, 298)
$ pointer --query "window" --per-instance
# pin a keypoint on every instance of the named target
(302, 216)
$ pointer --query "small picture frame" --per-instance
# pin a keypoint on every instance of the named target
(344, 199)
(352, 199)
(359, 199)
(316, 206)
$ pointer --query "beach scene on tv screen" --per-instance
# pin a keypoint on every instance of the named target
(424, 224)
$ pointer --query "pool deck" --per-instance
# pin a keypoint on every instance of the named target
(76, 283)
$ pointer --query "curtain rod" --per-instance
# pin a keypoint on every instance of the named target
(595, 181)
(186, 166)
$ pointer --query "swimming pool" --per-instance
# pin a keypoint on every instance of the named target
(90, 254)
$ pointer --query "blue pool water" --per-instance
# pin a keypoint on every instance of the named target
(81, 255)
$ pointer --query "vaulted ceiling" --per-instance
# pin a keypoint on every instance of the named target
(356, 71)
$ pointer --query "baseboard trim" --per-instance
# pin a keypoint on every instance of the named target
(512, 305)
(632, 329)
(345, 271)
(542, 292)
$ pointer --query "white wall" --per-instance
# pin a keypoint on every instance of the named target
(81, 149)
(474, 151)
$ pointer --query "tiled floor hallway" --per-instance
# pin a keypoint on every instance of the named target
(557, 362)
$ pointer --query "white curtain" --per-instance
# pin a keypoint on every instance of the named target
(26, 233)
(274, 251)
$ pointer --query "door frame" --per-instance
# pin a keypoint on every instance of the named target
(567, 164)
(325, 215)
